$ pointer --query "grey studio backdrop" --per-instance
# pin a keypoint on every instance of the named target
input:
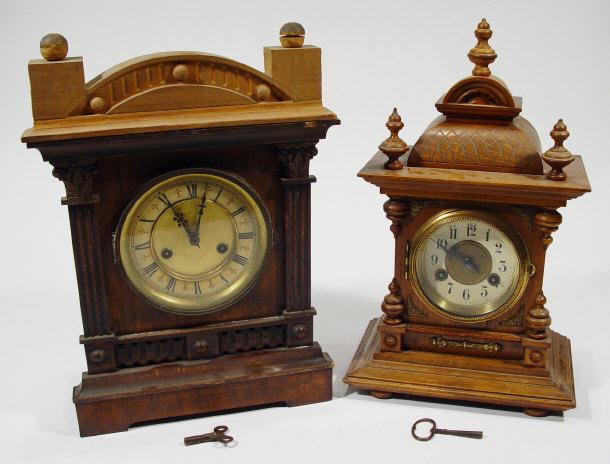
(375, 56)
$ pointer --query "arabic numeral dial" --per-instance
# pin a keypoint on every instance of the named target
(468, 264)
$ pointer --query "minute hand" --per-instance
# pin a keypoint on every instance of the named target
(195, 237)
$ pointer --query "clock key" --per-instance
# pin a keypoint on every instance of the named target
(217, 435)
(434, 430)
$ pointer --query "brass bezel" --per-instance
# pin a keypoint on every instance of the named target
(207, 303)
(487, 311)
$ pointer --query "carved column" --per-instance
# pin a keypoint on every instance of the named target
(77, 178)
(537, 319)
(294, 159)
(396, 209)
(393, 304)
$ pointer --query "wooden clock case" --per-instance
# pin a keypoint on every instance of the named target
(142, 119)
(479, 155)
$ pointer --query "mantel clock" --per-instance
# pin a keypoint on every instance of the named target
(188, 192)
(472, 209)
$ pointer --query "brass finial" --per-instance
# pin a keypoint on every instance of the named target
(292, 35)
(394, 147)
(54, 47)
(558, 157)
(482, 55)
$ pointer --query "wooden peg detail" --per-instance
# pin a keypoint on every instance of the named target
(292, 35)
(396, 210)
(482, 55)
(547, 222)
(538, 319)
(294, 66)
(53, 47)
(393, 304)
(558, 157)
(57, 83)
(394, 147)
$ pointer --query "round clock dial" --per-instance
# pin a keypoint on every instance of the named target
(468, 265)
(194, 241)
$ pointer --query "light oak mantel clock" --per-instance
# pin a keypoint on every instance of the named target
(472, 209)
(188, 192)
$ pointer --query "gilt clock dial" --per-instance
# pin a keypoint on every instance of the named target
(468, 265)
(194, 241)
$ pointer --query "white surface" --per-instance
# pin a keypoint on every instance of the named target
(375, 56)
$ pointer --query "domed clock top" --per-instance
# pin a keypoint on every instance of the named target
(481, 127)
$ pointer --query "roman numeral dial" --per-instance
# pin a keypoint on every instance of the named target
(194, 241)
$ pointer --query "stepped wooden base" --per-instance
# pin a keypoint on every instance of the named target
(107, 403)
(468, 378)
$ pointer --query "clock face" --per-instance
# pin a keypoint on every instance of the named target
(194, 241)
(468, 265)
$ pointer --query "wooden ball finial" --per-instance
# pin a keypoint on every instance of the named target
(54, 47)
(558, 157)
(482, 55)
(394, 147)
(292, 35)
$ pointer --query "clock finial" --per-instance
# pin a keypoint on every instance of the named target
(53, 47)
(394, 147)
(482, 55)
(558, 157)
(292, 35)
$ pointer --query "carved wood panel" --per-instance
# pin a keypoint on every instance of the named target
(184, 80)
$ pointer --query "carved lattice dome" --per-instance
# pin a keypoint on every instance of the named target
(480, 128)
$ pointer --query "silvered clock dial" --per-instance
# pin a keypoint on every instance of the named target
(468, 265)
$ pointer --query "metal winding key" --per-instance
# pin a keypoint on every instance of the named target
(434, 430)
(217, 435)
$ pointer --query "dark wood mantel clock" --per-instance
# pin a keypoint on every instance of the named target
(472, 209)
(188, 191)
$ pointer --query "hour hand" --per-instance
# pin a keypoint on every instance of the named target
(182, 222)
(178, 216)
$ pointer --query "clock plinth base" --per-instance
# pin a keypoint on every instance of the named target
(107, 403)
(466, 378)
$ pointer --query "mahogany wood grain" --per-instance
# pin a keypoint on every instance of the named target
(139, 121)
(502, 187)
(480, 158)
(113, 402)
(465, 378)
(175, 120)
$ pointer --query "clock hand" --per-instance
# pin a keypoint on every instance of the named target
(195, 237)
(440, 245)
(182, 222)
(179, 218)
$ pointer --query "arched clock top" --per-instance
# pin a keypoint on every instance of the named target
(179, 80)
(192, 85)
(475, 90)
(189, 200)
